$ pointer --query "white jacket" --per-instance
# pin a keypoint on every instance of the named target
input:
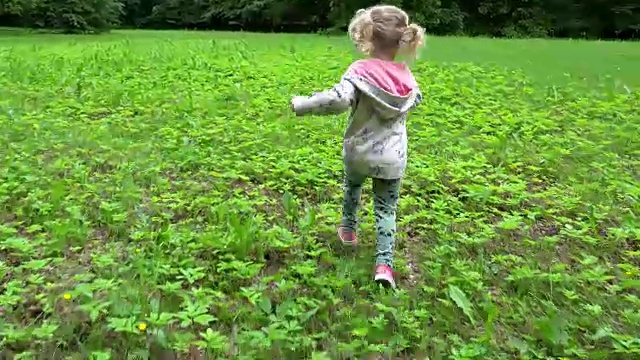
(375, 141)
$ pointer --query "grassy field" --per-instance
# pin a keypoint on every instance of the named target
(158, 200)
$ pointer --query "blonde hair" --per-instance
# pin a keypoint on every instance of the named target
(385, 28)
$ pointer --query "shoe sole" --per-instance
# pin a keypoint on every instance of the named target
(384, 281)
(349, 243)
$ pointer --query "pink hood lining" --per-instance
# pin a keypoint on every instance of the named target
(393, 77)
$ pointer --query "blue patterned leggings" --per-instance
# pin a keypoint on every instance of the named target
(385, 202)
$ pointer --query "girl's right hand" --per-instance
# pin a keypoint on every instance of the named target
(293, 102)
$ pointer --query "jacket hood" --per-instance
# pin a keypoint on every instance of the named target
(388, 105)
(390, 85)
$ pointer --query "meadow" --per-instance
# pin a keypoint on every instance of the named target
(159, 200)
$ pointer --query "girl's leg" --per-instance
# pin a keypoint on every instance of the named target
(386, 193)
(351, 202)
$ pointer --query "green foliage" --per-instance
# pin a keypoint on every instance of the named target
(86, 16)
(70, 16)
(519, 18)
(12, 7)
(158, 198)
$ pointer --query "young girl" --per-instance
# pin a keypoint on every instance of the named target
(379, 92)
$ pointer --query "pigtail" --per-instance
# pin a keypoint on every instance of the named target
(412, 39)
(361, 31)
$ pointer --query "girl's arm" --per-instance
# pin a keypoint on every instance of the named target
(333, 101)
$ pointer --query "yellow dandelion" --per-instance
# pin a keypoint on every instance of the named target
(142, 326)
(137, 251)
(67, 296)
(629, 273)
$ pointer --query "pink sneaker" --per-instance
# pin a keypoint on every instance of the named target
(347, 236)
(384, 275)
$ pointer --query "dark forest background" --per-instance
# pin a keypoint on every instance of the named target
(603, 19)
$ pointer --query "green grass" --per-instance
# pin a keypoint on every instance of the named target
(551, 62)
(158, 178)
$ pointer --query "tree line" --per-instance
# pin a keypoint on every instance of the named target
(604, 19)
